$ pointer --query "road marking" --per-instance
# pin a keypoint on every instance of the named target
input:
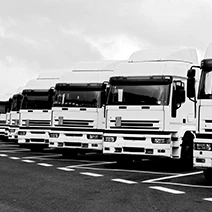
(155, 181)
(208, 199)
(183, 185)
(65, 169)
(45, 164)
(9, 145)
(16, 150)
(91, 174)
(171, 177)
(42, 156)
(124, 170)
(14, 158)
(167, 190)
(90, 164)
(124, 181)
(28, 161)
(3, 155)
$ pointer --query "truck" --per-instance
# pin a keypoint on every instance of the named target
(147, 112)
(13, 115)
(201, 96)
(35, 111)
(78, 108)
(4, 109)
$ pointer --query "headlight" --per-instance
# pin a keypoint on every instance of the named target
(21, 132)
(109, 139)
(203, 146)
(54, 135)
(11, 130)
(161, 140)
(93, 136)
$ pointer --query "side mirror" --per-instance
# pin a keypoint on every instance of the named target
(180, 92)
(191, 83)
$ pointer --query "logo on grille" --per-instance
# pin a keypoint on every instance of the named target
(60, 118)
(118, 121)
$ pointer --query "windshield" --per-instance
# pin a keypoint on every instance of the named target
(205, 88)
(139, 95)
(3, 107)
(77, 98)
(36, 100)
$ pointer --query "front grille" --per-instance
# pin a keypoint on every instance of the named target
(36, 123)
(3, 122)
(135, 124)
(15, 122)
(75, 123)
(207, 125)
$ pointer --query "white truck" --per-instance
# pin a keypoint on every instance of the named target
(4, 109)
(13, 117)
(78, 109)
(147, 112)
(203, 103)
(35, 112)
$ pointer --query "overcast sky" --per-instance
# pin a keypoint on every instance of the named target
(38, 35)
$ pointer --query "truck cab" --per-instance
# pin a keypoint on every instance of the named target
(14, 117)
(203, 102)
(4, 110)
(147, 112)
(78, 109)
(35, 112)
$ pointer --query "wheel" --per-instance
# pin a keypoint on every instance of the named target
(208, 175)
(187, 150)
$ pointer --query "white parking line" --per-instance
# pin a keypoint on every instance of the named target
(208, 199)
(42, 156)
(9, 145)
(28, 161)
(90, 164)
(45, 164)
(123, 170)
(167, 190)
(184, 185)
(16, 150)
(91, 174)
(3, 155)
(171, 177)
(65, 169)
(14, 158)
(124, 181)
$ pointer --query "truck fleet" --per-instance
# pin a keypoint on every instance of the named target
(154, 105)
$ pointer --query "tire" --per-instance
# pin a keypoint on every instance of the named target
(208, 175)
(187, 150)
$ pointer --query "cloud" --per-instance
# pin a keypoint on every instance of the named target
(15, 73)
(53, 34)
(117, 47)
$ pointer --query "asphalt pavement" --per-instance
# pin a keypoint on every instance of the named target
(45, 181)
